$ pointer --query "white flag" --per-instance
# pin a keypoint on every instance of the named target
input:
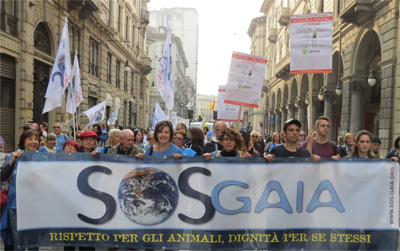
(96, 113)
(159, 115)
(74, 98)
(165, 76)
(113, 117)
(61, 73)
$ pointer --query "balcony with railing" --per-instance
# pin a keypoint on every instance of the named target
(144, 17)
(361, 12)
(85, 7)
(284, 16)
(8, 23)
(272, 35)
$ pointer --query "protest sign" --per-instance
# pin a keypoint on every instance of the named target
(227, 112)
(246, 78)
(311, 43)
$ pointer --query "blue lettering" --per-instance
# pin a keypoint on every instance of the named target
(215, 195)
(283, 202)
(300, 191)
(335, 202)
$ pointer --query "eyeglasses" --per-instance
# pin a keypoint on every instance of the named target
(302, 135)
(177, 138)
(254, 136)
(54, 127)
(148, 139)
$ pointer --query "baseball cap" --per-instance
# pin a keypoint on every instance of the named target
(290, 122)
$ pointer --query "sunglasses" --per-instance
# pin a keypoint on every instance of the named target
(178, 138)
(150, 139)
(54, 127)
(254, 136)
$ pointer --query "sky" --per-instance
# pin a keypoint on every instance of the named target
(223, 26)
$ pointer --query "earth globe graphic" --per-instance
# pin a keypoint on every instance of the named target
(147, 196)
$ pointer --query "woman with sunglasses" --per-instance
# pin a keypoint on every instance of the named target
(179, 141)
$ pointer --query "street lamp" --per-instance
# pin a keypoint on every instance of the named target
(371, 78)
(127, 68)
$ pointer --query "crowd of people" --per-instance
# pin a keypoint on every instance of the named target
(182, 142)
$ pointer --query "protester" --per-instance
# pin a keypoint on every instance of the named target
(50, 144)
(340, 141)
(150, 139)
(88, 142)
(260, 140)
(232, 142)
(43, 130)
(127, 146)
(103, 136)
(247, 144)
(276, 140)
(29, 142)
(179, 140)
(319, 146)
(214, 144)
(97, 129)
(163, 135)
(349, 142)
(61, 137)
(196, 140)
(376, 146)
(113, 139)
(71, 146)
(362, 147)
(289, 149)
(257, 147)
(139, 140)
(394, 154)
(78, 134)
(302, 137)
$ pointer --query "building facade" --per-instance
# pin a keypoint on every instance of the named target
(365, 45)
(203, 103)
(183, 22)
(109, 39)
(183, 86)
(256, 31)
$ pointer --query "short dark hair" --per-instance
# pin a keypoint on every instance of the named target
(135, 133)
(26, 134)
(397, 142)
(160, 125)
(44, 124)
(291, 122)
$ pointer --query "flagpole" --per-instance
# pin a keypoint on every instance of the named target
(238, 119)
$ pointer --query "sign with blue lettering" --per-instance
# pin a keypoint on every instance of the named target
(225, 203)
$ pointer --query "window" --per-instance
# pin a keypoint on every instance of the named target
(109, 67)
(133, 84)
(127, 28)
(110, 12)
(74, 34)
(141, 88)
(93, 57)
(133, 35)
(119, 19)
(117, 74)
(125, 81)
(9, 18)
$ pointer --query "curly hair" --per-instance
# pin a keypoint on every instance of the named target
(235, 135)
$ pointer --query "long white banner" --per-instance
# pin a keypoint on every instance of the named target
(311, 43)
(218, 202)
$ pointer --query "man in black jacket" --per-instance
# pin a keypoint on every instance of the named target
(214, 144)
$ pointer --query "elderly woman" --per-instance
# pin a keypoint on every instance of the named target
(50, 144)
(163, 135)
(70, 146)
(232, 143)
(362, 147)
(349, 142)
(179, 140)
(150, 139)
(276, 141)
(28, 142)
(88, 142)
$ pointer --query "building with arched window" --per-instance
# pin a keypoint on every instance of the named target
(365, 46)
(109, 39)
